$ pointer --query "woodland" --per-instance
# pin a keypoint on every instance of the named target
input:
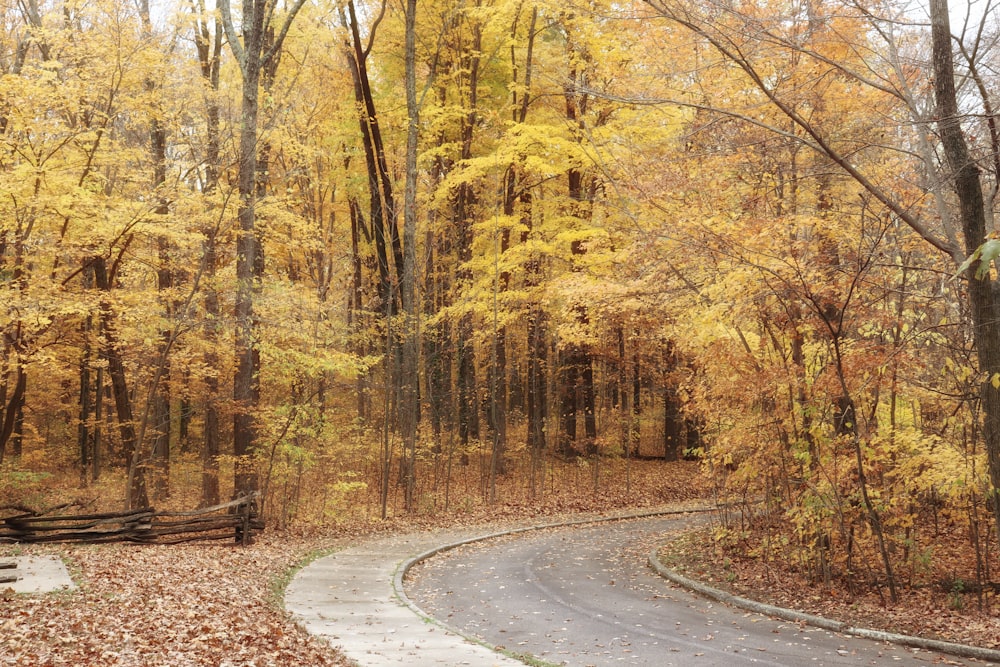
(372, 259)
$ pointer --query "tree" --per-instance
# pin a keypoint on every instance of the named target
(256, 52)
(208, 44)
(409, 406)
(965, 177)
(799, 79)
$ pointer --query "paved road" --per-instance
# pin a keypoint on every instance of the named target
(584, 596)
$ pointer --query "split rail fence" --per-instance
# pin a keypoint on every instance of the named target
(236, 520)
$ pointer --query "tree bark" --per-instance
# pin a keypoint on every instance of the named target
(136, 492)
(965, 174)
(254, 53)
(355, 313)
(463, 203)
(578, 372)
(13, 411)
(164, 282)
(209, 45)
(246, 382)
(83, 427)
(409, 405)
(382, 199)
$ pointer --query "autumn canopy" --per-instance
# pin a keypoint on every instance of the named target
(383, 255)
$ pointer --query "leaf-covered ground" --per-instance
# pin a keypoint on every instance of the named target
(931, 610)
(196, 604)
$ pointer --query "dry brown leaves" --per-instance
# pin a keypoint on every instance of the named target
(928, 610)
(198, 604)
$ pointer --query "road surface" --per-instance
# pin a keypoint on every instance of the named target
(584, 596)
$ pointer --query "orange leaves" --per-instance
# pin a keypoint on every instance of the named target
(197, 605)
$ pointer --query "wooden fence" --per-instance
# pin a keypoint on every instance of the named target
(236, 520)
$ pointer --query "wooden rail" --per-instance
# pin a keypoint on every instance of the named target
(236, 520)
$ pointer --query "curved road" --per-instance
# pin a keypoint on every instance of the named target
(585, 596)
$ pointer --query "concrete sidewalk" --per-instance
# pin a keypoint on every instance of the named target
(350, 598)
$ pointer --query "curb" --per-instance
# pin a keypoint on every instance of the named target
(951, 648)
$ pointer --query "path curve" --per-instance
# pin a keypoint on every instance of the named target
(355, 599)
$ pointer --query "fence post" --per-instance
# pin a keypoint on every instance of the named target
(245, 520)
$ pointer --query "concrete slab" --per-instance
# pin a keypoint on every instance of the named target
(39, 574)
(349, 599)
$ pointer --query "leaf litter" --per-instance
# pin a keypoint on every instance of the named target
(182, 605)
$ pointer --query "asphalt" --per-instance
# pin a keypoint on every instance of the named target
(354, 599)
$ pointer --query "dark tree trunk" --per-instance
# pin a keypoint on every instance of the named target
(578, 383)
(463, 207)
(13, 412)
(256, 54)
(437, 296)
(95, 436)
(673, 426)
(436, 340)
(17, 436)
(110, 352)
(355, 311)
(83, 427)
(382, 200)
(569, 399)
(636, 403)
(184, 412)
(164, 281)
(161, 397)
(537, 385)
(246, 382)
(409, 389)
(621, 401)
(972, 209)
(208, 41)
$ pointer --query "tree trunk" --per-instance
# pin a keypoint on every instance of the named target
(255, 53)
(83, 427)
(636, 421)
(162, 422)
(211, 446)
(95, 436)
(209, 45)
(410, 363)
(161, 396)
(355, 313)
(463, 205)
(136, 492)
(246, 382)
(382, 200)
(673, 426)
(972, 210)
(569, 399)
(537, 385)
(13, 411)
(580, 370)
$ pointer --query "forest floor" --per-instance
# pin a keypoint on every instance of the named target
(943, 606)
(220, 605)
